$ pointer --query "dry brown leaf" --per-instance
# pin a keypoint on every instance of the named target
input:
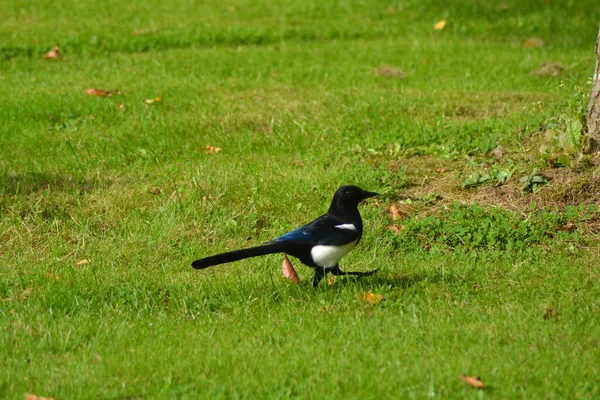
(154, 100)
(54, 54)
(51, 275)
(82, 262)
(288, 271)
(439, 25)
(532, 43)
(212, 149)
(372, 298)
(394, 229)
(499, 152)
(474, 381)
(30, 396)
(394, 212)
(550, 313)
(155, 191)
(145, 31)
(442, 170)
(387, 71)
(549, 69)
(102, 92)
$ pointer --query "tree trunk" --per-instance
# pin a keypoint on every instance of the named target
(592, 143)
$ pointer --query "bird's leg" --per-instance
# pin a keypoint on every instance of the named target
(336, 271)
(319, 274)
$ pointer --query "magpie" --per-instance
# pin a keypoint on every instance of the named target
(320, 244)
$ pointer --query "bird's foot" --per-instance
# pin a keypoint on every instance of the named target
(288, 271)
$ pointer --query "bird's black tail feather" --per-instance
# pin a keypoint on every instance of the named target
(270, 248)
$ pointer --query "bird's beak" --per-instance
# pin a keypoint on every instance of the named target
(366, 194)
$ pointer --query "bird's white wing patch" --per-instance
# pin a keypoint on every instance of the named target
(349, 227)
(329, 256)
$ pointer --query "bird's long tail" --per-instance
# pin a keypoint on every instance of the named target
(236, 255)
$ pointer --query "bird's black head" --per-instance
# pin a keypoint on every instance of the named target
(348, 197)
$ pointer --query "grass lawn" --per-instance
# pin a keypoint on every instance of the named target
(235, 122)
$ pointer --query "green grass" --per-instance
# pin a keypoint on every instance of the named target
(289, 91)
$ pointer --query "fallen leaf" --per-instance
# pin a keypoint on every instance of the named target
(550, 313)
(498, 152)
(570, 227)
(532, 43)
(387, 71)
(154, 100)
(288, 271)
(102, 92)
(549, 69)
(441, 170)
(54, 54)
(474, 381)
(372, 298)
(30, 396)
(145, 31)
(394, 229)
(212, 149)
(51, 275)
(394, 212)
(439, 25)
(82, 262)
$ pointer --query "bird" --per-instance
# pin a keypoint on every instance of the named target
(319, 244)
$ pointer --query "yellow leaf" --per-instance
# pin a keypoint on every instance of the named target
(288, 271)
(154, 100)
(439, 25)
(82, 262)
(532, 43)
(387, 71)
(212, 149)
(30, 396)
(372, 298)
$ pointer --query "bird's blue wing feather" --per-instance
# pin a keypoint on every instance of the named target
(320, 231)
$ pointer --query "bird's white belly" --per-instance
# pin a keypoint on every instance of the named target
(329, 256)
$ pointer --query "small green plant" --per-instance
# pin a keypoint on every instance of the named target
(532, 183)
(496, 174)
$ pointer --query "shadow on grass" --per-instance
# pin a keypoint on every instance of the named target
(404, 281)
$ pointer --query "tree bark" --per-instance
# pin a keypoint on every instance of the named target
(592, 143)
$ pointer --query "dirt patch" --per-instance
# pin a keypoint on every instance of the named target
(438, 183)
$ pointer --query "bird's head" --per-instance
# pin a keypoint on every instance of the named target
(348, 197)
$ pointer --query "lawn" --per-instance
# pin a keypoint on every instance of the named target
(230, 123)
